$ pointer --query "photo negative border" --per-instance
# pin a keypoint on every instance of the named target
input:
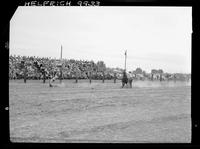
(10, 9)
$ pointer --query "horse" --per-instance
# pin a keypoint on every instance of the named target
(127, 79)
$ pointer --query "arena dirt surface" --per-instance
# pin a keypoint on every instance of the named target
(150, 112)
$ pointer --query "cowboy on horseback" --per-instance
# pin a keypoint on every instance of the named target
(127, 78)
(124, 79)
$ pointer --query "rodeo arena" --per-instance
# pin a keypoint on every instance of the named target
(69, 100)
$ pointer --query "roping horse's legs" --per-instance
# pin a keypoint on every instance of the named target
(122, 84)
(130, 82)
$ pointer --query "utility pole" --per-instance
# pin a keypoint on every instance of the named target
(61, 53)
(125, 60)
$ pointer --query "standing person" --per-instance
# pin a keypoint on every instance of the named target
(25, 74)
(103, 76)
(77, 74)
(90, 76)
(60, 76)
(130, 79)
(44, 75)
(76, 77)
(115, 77)
(160, 77)
(24, 70)
(175, 78)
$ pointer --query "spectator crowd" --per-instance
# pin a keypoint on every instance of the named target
(37, 68)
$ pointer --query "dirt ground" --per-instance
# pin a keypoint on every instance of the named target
(100, 112)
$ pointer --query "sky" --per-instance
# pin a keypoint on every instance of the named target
(154, 37)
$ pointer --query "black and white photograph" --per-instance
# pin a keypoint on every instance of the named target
(119, 74)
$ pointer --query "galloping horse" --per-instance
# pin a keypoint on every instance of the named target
(127, 79)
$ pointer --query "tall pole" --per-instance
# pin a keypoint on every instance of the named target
(61, 53)
(125, 59)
